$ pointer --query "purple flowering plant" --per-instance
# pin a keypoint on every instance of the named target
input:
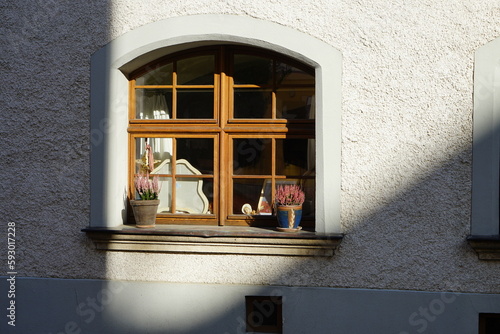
(148, 188)
(289, 194)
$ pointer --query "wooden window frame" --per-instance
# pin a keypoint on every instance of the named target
(178, 218)
(224, 127)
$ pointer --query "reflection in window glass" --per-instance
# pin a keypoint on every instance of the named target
(252, 70)
(309, 186)
(289, 75)
(153, 103)
(292, 103)
(196, 70)
(198, 152)
(252, 103)
(248, 192)
(195, 103)
(252, 156)
(162, 149)
(159, 75)
(295, 157)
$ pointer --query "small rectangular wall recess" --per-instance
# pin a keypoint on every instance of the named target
(489, 323)
(264, 314)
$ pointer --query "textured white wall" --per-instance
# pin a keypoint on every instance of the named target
(406, 132)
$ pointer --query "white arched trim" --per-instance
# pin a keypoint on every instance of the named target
(485, 222)
(109, 101)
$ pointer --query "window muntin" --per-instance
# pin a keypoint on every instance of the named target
(271, 89)
(258, 108)
(185, 166)
(260, 163)
(176, 89)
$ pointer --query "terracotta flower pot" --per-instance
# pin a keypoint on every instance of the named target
(145, 212)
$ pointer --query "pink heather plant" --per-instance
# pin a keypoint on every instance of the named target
(148, 189)
(289, 195)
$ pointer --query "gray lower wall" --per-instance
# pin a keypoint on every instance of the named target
(95, 306)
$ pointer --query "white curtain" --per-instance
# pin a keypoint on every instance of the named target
(155, 107)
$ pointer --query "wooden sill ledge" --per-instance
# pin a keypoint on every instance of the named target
(213, 240)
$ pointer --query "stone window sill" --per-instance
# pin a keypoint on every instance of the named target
(213, 240)
(486, 247)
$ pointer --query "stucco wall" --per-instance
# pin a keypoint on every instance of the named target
(406, 142)
(92, 306)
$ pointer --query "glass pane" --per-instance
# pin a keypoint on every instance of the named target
(289, 75)
(196, 70)
(292, 103)
(248, 195)
(195, 103)
(161, 149)
(252, 103)
(295, 157)
(309, 187)
(165, 195)
(252, 156)
(195, 156)
(153, 103)
(252, 70)
(158, 75)
(190, 196)
(208, 190)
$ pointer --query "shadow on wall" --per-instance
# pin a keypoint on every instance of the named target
(89, 306)
(417, 241)
(400, 245)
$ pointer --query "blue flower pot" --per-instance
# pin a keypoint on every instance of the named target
(289, 216)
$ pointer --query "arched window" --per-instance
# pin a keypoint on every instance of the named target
(226, 125)
(231, 106)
